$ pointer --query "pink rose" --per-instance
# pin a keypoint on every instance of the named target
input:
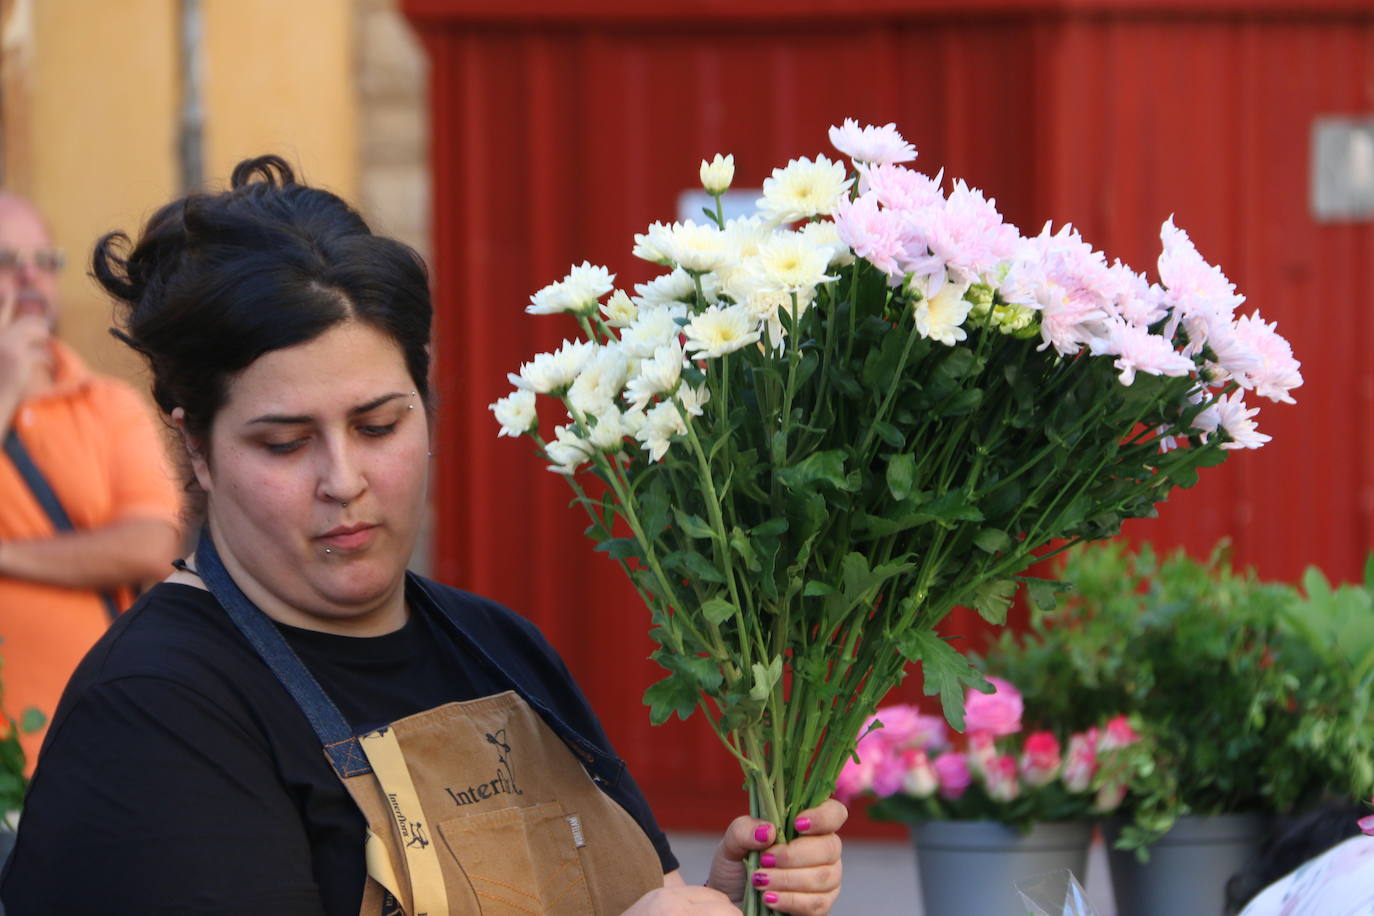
(982, 747)
(889, 771)
(1118, 734)
(920, 780)
(998, 712)
(904, 726)
(1081, 765)
(1367, 822)
(1040, 758)
(1000, 777)
(952, 770)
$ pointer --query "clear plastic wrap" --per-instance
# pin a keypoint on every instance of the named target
(1055, 893)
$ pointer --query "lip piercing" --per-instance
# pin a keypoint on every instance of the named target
(343, 503)
(329, 550)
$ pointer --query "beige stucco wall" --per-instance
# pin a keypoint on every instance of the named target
(103, 89)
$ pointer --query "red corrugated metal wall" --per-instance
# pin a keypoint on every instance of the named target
(560, 129)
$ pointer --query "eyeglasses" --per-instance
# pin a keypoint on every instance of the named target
(47, 260)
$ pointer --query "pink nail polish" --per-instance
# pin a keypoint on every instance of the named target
(761, 834)
(770, 898)
(760, 879)
(803, 824)
(768, 860)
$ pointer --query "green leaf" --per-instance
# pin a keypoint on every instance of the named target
(1044, 592)
(692, 525)
(765, 678)
(993, 599)
(673, 694)
(943, 670)
(704, 672)
(901, 474)
(653, 506)
(742, 545)
(824, 467)
(31, 720)
(889, 433)
(859, 579)
(694, 564)
(817, 589)
(621, 548)
(992, 540)
(718, 610)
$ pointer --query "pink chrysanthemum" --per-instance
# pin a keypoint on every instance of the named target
(877, 145)
(1229, 414)
(1277, 371)
(1137, 350)
(901, 188)
(875, 234)
(966, 235)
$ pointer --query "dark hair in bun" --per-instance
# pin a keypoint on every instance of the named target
(216, 280)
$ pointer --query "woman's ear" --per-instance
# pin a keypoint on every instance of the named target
(195, 452)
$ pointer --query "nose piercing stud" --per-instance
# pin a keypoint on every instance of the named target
(329, 550)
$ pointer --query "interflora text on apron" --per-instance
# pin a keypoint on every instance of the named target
(502, 784)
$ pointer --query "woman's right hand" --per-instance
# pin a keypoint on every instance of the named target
(684, 899)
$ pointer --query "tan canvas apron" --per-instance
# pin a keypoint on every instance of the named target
(472, 808)
(479, 807)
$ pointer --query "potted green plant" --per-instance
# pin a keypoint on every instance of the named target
(1235, 706)
(1010, 799)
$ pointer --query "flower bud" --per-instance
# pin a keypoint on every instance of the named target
(717, 174)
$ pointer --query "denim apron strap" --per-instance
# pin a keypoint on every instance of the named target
(340, 744)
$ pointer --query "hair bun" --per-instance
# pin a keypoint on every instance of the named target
(270, 170)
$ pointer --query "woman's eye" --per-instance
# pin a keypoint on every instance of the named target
(284, 448)
(377, 432)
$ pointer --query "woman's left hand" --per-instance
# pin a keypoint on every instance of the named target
(801, 877)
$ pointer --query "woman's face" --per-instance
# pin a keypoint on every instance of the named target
(316, 481)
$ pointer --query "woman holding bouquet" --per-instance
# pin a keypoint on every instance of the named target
(291, 722)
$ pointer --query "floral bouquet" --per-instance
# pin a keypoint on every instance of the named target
(997, 772)
(828, 423)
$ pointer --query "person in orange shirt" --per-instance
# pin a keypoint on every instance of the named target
(95, 444)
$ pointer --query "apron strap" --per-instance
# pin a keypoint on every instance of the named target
(340, 744)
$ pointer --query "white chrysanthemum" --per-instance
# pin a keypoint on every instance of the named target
(586, 284)
(792, 263)
(941, 316)
(567, 451)
(516, 413)
(1235, 419)
(693, 400)
(608, 432)
(824, 234)
(654, 328)
(600, 381)
(632, 421)
(661, 424)
(695, 247)
(552, 373)
(718, 331)
(717, 174)
(803, 189)
(551, 300)
(675, 288)
(620, 310)
(653, 244)
(657, 375)
(871, 145)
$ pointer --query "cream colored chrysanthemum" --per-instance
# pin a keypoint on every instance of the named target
(823, 233)
(693, 400)
(803, 189)
(516, 413)
(658, 375)
(940, 316)
(718, 331)
(552, 373)
(608, 430)
(567, 451)
(579, 292)
(717, 174)
(696, 248)
(792, 263)
(653, 244)
(619, 310)
(653, 328)
(661, 424)
(599, 382)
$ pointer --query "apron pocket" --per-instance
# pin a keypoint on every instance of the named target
(520, 861)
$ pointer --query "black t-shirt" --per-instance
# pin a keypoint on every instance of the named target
(180, 777)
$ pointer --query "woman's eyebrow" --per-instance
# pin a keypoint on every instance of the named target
(302, 418)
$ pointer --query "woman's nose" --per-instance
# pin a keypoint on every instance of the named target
(342, 479)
